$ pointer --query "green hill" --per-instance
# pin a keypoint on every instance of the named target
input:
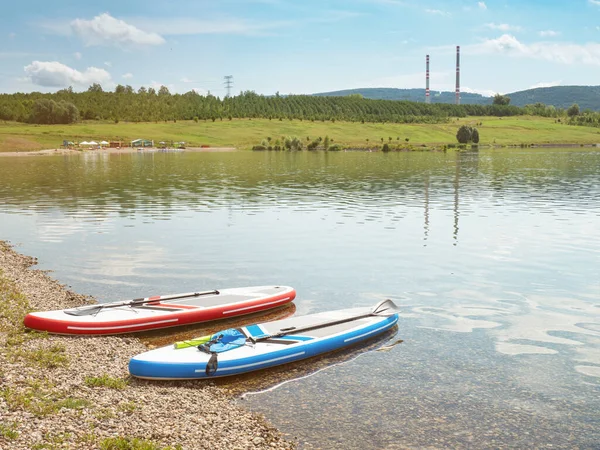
(412, 95)
(587, 97)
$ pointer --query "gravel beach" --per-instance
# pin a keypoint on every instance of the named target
(75, 392)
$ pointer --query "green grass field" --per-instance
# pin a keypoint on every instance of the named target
(244, 133)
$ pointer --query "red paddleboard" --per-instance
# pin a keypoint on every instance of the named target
(160, 311)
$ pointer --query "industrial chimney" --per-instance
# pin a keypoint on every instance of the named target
(458, 75)
(427, 97)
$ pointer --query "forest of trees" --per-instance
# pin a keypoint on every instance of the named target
(150, 105)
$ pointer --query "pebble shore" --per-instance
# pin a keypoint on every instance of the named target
(48, 398)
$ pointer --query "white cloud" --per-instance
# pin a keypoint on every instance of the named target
(481, 5)
(549, 33)
(106, 30)
(502, 27)
(190, 26)
(438, 12)
(594, 2)
(77, 55)
(107, 63)
(127, 75)
(484, 92)
(156, 86)
(543, 84)
(559, 52)
(55, 74)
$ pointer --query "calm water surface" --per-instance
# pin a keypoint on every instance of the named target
(494, 258)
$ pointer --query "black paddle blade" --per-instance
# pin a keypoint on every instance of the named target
(211, 365)
(385, 308)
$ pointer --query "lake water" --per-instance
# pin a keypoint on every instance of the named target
(493, 256)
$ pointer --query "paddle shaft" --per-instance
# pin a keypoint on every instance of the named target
(136, 302)
(287, 331)
(142, 301)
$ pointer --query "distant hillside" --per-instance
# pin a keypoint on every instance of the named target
(587, 97)
(413, 95)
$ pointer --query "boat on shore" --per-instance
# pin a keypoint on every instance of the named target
(157, 312)
(239, 350)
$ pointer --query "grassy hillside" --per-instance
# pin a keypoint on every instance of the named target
(243, 134)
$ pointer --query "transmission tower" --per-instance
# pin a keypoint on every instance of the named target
(228, 84)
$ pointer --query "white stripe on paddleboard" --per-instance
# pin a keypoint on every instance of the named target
(123, 326)
(255, 306)
(370, 332)
(256, 363)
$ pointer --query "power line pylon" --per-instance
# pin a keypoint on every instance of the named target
(228, 84)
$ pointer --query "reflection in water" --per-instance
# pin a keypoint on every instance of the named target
(426, 210)
(267, 380)
(501, 333)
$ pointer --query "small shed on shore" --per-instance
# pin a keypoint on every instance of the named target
(142, 143)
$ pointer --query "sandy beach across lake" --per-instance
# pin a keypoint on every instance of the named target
(71, 151)
(74, 392)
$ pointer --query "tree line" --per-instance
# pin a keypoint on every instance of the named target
(150, 105)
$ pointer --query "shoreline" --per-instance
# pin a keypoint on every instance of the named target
(110, 151)
(412, 148)
(76, 392)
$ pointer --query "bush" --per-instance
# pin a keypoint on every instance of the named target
(573, 110)
(467, 134)
(464, 133)
(385, 148)
(259, 147)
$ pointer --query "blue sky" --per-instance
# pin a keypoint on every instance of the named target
(298, 47)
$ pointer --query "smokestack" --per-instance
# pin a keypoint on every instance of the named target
(458, 75)
(427, 97)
